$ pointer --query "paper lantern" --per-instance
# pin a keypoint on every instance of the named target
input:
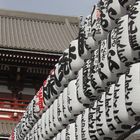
(107, 23)
(51, 87)
(120, 113)
(85, 92)
(46, 94)
(101, 124)
(92, 122)
(39, 129)
(127, 3)
(118, 8)
(86, 43)
(74, 106)
(68, 73)
(96, 81)
(61, 63)
(132, 96)
(134, 30)
(31, 134)
(78, 126)
(109, 108)
(67, 114)
(58, 136)
(27, 137)
(75, 61)
(60, 113)
(49, 133)
(18, 134)
(115, 9)
(114, 62)
(63, 134)
(57, 79)
(43, 130)
(35, 136)
(84, 125)
(124, 49)
(60, 80)
(50, 92)
(51, 121)
(96, 28)
(70, 132)
(57, 123)
(104, 72)
(62, 109)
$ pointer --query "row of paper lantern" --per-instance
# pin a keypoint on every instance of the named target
(112, 114)
(110, 57)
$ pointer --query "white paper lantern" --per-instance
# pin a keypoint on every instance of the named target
(57, 123)
(29, 119)
(54, 138)
(51, 87)
(51, 123)
(31, 134)
(58, 136)
(114, 62)
(26, 137)
(120, 113)
(43, 131)
(74, 106)
(68, 73)
(86, 43)
(60, 80)
(96, 81)
(35, 132)
(124, 49)
(134, 30)
(17, 132)
(92, 122)
(109, 107)
(47, 95)
(84, 125)
(24, 126)
(78, 126)
(119, 8)
(67, 114)
(75, 61)
(107, 23)
(60, 113)
(101, 124)
(132, 96)
(70, 132)
(96, 29)
(49, 133)
(61, 77)
(85, 92)
(115, 9)
(57, 81)
(63, 134)
(39, 129)
(104, 72)
(127, 3)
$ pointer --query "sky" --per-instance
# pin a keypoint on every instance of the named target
(57, 7)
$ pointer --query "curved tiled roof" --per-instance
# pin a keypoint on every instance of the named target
(36, 32)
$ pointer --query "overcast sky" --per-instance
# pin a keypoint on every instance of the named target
(59, 7)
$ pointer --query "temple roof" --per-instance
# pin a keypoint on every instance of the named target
(26, 31)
